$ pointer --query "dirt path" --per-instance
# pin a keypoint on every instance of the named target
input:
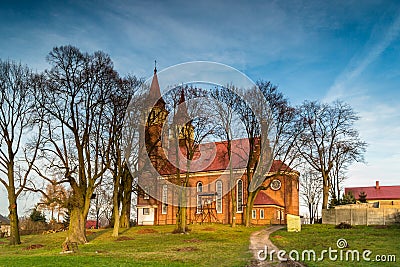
(259, 241)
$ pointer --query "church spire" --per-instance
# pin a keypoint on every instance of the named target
(181, 116)
(155, 93)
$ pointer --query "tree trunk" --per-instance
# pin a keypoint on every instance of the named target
(310, 210)
(116, 206)
(249, 207)
(181, 216)
(125, 213)
(181, 220)
(14, 231)
(233, 207)
(77, 226)
(78, 214)
(126, 200)
(116, 224)
(232, 182)
(325, 188)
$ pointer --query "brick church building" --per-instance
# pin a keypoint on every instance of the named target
(212, 187)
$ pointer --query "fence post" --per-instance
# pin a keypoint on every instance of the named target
(335, 210)
(351, 216)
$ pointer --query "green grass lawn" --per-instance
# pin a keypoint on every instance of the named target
(380, 240)
(205, 245)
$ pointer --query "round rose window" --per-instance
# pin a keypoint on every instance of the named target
(276, 184)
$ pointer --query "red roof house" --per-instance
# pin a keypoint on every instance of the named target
(385, 195)
(91, 224)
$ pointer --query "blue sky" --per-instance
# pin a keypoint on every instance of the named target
(314, 50)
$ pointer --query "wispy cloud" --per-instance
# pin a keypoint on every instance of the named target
(379, 124)
(377, 44)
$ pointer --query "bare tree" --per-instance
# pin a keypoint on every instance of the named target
(19, 134)
(329, 138)
(191, 126)
(311, 192)
(122, 178)
(78, 136)
(338, 176)
(272, 129)
(225, 100)
(102, 209)
(53, 199)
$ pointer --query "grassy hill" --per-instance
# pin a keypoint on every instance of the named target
(382, 241)
(205, 245)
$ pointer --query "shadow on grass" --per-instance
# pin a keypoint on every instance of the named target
(92, 235)
(95, 234)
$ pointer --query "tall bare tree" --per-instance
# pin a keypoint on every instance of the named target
(329, 138)
(311, 192)
(190, 127)
(53, 199)
(78, 137)
(225, 100)
(19, 134)
(272, 129)
(122, 178)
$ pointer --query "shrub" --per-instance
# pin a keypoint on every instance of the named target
(362, 197)
(343, 225)
(37, 216)
(30, 227)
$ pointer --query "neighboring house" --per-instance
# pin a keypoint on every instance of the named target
(5, 226)
(91, 224)
(384, 196)
(210, 201)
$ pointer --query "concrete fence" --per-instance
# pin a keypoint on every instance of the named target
(360, 216)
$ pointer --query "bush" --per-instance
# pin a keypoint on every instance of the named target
(30, 227)
(37, 216)
(346, 199)
(343, 225)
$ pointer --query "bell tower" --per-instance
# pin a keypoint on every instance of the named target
(157, 116)
(183, 122)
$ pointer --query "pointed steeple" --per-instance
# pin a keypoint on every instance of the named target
(155, 93)
(181, 116)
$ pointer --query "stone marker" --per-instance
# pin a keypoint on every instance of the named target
(293, 223)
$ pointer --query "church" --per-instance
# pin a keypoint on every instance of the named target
(212, 190)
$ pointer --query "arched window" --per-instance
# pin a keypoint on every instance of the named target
(254, 214)
(199, 190)
(218, 189)
(239, 196)
(164, 199)
(199, 187)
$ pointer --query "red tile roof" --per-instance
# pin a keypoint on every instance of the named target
(374, 193)
(264, 199)
(91, 224)
(214, 157)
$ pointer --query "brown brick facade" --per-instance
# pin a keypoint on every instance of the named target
(270, 205)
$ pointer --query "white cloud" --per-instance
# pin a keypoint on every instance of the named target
(378, 42)
(379, 126)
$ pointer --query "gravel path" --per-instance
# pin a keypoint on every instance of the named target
(258, 241)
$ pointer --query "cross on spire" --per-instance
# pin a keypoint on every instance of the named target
(155, 66)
